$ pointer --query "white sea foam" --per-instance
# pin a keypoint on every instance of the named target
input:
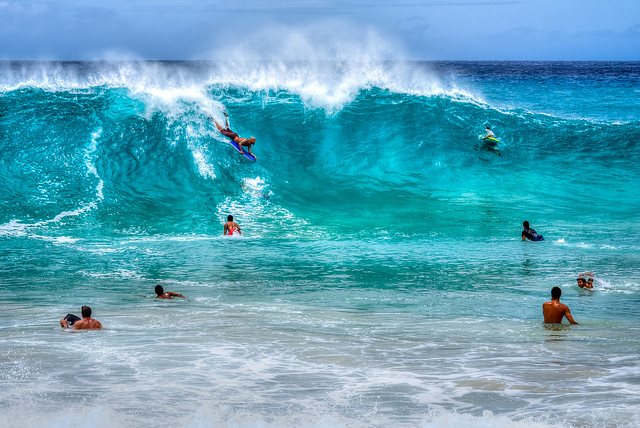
(90, 156)
(12, 228)
(326, 64)
(119, 273)
(256, 187)
(234, 236)
(487, 420)
(16, 228)
(254, 213)
(204, 168)
(217, 416)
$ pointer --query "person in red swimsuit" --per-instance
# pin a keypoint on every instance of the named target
(231, 227)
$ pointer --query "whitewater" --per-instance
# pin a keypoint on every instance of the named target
(381, 279)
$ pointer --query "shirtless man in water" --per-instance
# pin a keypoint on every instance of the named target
(86, 323)
(248, 142)
(231, 227)
(161, 294)
(554, 311)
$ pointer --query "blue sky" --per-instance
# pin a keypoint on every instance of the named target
(430, 30)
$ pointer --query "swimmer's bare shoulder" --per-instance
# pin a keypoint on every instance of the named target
(554, 311)
(87, 324)
(169, 295)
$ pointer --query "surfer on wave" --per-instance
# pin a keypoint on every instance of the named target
(489, 134)
(227, 132)
(489, 142)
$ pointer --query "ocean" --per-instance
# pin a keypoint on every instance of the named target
(381, 279)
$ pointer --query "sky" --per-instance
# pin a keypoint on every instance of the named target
(405, 29)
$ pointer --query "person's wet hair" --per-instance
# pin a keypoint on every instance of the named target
(230, 218)
(159, 289)
(556, 293)
(525, 224)
(86, 311)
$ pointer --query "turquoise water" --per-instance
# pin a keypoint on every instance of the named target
(381, 279)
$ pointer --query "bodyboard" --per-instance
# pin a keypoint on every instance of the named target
(245, 154)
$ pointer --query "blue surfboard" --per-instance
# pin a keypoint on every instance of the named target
(245, 154)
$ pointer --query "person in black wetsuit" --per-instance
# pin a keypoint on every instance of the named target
(529, 233)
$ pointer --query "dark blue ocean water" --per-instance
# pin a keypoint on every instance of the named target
(380, 279)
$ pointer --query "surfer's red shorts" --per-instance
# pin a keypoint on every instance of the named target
(229, 133)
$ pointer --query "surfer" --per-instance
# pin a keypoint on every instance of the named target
(587, 284)
(553, 311)
(86, 323)
(231, 227)
(489, 142)
(161, 294)
(529, 233)
(227, 132)
(489, 133)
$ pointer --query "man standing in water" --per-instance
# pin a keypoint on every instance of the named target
(230, 134)
(86, 323)
(553, 311)
(231, 227)
(529, 233)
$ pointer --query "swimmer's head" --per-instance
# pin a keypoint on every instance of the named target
(230, 218)
(159, 289)
(556, 293)
(86, 311)
(252, 140)
(525, 224)
(585, 283)
(489, 128)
